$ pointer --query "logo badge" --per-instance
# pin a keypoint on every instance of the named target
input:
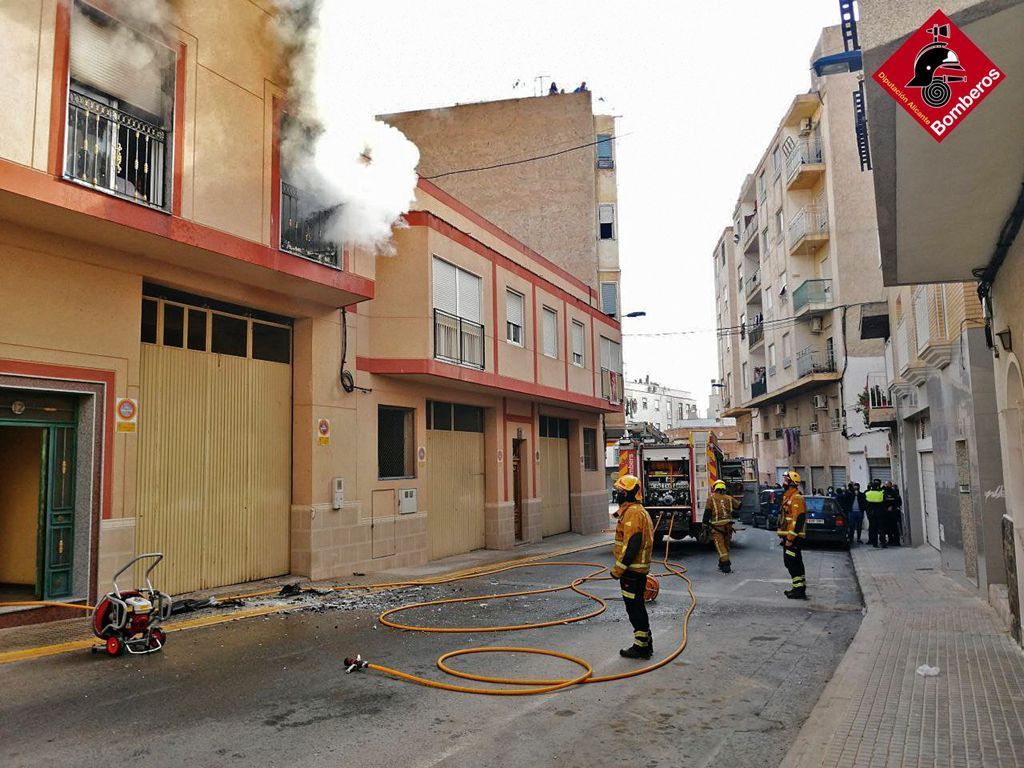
(938, 76)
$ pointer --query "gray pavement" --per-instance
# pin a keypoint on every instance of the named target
(271, 691)
(877, 711)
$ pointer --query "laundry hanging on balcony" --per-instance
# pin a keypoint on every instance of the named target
(792, 438)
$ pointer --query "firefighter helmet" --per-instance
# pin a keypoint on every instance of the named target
(793, 476)
(627, 483)
(651, 589)
(719, 485)
(930, 60)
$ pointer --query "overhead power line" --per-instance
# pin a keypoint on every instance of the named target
(525, 159)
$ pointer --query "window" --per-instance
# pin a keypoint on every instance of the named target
(395, 443)
(764, 241)
(767, 302)
(771, 358)
(657, 405)
(514, 303)
(229, 335)
(744, 377)
(149, 311)
(761, 191)
(606, 221)
(611, 355)
(119, 116)
(780, 224)
(589, 449)
(681, 412)
(454, 417)
(550, 326)
(577, 343)
(553, 427)
(787, 350)
(610, 299)
(723, 254)
(174, 326)
(604, 151)
(645, 403)
(458, 332)
(269, 342)
(307, 228)
(198, 324)
(776, 162)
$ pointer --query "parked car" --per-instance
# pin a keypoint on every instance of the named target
(825, 520)
(767, 515)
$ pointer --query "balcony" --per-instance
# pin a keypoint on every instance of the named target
(810, 361)
(805, 165)
(115, 152)
(304, 228)
(611, 386)
(812, 296)
(879, 406)
(758, 387)
(753, 287)
(458, 341)
(749, 230)
(808, 230)
(755, 335)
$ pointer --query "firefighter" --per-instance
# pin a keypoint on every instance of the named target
(791, 531)
(718, 515)
(634, 541)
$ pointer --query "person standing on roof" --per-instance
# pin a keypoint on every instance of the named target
(634, 543)
(791, 531)
(718, 516)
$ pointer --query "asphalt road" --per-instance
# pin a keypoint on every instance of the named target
(272, 691)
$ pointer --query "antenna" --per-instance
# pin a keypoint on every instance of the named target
(540, 84)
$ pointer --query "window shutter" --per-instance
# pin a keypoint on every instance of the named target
(119, 62)
(577, 341)
(606, 214)
(445, 293)
(469, 296)
(550, 332)
(514, 308)
(610, 298)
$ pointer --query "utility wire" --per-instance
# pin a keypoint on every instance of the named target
(525, 159)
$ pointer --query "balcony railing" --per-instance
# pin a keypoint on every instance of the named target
(115, 152)
(749, 229)
(754, 282)
(880, 407)
(304, 228)
(812, 293)
(805, 152)
(808, 229)
(755, 335)
(758, 387)
(457, 340)
(809, 361)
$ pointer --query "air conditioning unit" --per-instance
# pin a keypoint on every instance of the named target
(813, 426)
(780, 409)
(817, 325)
(805, 126)
(820, 403)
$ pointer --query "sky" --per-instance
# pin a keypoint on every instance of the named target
(699, 88)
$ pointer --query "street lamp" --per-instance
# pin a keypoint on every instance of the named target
(635, 314)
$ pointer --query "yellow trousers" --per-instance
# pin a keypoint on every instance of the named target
(721, 535)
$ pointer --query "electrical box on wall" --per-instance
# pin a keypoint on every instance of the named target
(407, 501)
(337, 493)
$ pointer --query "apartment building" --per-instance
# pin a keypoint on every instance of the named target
(664, 407)
(937, 396)
(792, 274)
(968, 233)
(176, 374)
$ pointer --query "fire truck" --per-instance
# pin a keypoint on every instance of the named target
(677, 478)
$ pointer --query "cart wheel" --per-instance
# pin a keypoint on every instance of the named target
(114, 646)
(157, 639)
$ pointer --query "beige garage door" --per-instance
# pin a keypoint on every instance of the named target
(455, 479)
(214, 448)
(554, 474)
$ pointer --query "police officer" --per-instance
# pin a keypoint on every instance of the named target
(634, 541)
(718, 515)
(875, 499)
(791, 531)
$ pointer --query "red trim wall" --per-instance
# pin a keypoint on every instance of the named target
(179, 129)
(517, 418)
(436, 223)
(59, 87)
(276, 111)
(494, 311)
(387, 365)
(536, 352)
(91, 375)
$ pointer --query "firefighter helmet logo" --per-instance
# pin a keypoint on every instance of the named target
(939, 76)
(935, 66)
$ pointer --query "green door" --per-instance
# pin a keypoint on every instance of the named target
(57, 513)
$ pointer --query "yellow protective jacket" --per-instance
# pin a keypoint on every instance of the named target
(792, 516)
(634, 540)
(719, 508)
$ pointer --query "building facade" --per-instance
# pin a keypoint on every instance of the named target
(175, 371)
(792, 275)
(967, 235)
(664, 407)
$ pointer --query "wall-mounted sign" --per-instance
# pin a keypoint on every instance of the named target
(126, 414)
(323, 431)
(421, 454)
(501, 455)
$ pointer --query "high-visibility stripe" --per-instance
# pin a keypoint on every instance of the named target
(641, 633)
(620, 564)
(628, 595)
(640, 643)
(790, 552)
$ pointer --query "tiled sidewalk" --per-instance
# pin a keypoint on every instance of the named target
(877, 711)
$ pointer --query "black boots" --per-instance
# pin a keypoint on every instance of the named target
(725, 566)
(797, 593)
(636, 652)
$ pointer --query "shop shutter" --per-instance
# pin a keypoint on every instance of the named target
(879, 469)
(839, 477)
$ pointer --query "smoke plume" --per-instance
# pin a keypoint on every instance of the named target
(333, 147)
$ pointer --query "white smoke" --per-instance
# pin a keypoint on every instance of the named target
(331, 142)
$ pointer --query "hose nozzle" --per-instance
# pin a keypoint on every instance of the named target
(354, 664)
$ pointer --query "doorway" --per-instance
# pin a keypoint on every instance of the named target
(517, 484)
